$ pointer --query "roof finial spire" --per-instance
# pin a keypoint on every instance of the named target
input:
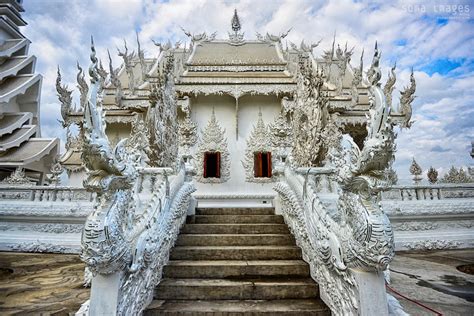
(236, 38)
(236, 22)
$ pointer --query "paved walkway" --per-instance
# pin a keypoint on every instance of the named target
(33, 284)
(432, 279)
(41, 284)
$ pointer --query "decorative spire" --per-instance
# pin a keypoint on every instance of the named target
(64, 95)
(93, 67)
(374, 74)
(390, 85)
(236, 38)
(236, 22)
(406, 98)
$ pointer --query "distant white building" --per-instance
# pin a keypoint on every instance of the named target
(21, 145)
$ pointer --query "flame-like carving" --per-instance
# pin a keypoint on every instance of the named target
(406, 98)
(127, 62)
(389, 86)
(65, 97)
(82, 86)
(138, 212)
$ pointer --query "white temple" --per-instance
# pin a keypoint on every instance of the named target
(226, 159)
(234, 96)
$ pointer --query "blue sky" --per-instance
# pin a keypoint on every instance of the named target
(436, 39)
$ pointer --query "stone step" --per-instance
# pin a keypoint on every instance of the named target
(295, 307)
(244, 219)
(235, 211)
(235, 229)
(235, 253)
(235, 269)
(234, 239)
(222, 289)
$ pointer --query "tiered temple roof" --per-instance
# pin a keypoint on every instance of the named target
(237, 67)
(20, 90)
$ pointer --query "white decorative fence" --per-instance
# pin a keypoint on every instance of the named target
(430, 217)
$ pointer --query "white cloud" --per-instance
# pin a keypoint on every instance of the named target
(443, 110)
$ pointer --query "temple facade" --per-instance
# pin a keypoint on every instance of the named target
(235, 98)
(25, 157)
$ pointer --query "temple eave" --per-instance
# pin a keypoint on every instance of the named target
(33, 150)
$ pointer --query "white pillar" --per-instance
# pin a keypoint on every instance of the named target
(105, 290)
(372, 293)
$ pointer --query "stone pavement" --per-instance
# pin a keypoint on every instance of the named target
(432, 279)
(41, 284)
(52, 284)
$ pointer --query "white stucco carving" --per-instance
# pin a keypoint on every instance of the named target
(259, 140)
(212, 140)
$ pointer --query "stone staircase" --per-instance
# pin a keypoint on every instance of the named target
(236, 261)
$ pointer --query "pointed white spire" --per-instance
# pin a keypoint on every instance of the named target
(236, 22)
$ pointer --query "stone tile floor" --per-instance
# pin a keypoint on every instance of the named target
(41, 284)
(51, 284)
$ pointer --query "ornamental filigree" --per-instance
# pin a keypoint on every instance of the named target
(213, 140)
(127, 62)
(18, 177)
(304, 48)
(356, 81)
(236, 38)
(406, 98)
(270, 38)
(310, 116)
(187, 134)
(258, 141)
(64, 96)
(280, 135)
(129, 233)
(355, 235)
(389, 86)
(141, 58)
(82, 86)
(56, 170)
(115, 82)
(200, 37)
(161, 117)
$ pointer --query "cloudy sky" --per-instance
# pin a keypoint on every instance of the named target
(435, 39)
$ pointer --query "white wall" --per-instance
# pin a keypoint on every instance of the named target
(201, 109)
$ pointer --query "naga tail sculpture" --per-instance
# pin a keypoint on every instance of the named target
(140, 205)
(360, 174)
(110, 174)
(346, 237)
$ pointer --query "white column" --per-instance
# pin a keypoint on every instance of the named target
(105, 290)
(372, 293)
